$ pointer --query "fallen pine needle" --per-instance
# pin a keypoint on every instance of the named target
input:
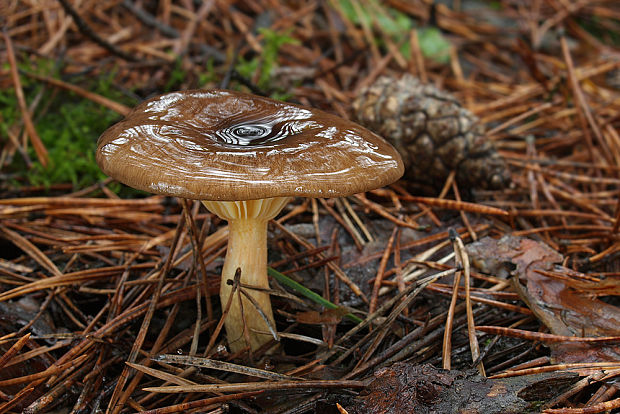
(543, 337)
(257, 386)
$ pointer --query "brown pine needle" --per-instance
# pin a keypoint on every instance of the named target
(584, 368)
(456, 205)
(463, 260)
(37, 144)
(101, 100)
(23, 393)
(544, 337)
(221, 365)
(32, 250)
(185, 407)
(260, 386)
(446, 354)
(380, 271)
(604, 407)
(551, 109)
(13, 350)
(164, 376)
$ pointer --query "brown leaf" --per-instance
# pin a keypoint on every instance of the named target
(550, 292)
(330, 316)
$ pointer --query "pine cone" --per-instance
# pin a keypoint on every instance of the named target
(432, 132)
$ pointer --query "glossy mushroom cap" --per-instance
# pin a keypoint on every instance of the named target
(225, 145)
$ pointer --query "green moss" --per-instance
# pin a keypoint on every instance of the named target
(176, 77)
(68, 126)
(397, 25)
(209, 75)
(434, 45)
(266, 61)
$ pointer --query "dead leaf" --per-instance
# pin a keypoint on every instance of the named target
(330, 316)
(557, 297)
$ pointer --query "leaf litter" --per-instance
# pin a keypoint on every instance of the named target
(96, 290)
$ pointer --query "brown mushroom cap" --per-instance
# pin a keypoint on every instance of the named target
(225, 145)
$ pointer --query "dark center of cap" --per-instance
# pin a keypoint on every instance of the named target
(249, 134)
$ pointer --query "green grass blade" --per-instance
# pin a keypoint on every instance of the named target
(287, 281)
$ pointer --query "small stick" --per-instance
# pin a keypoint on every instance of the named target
(164, 376)
(31, 250)
(507, 306)
(398, 268)
(520, 117)
(574, 389)
(413, 272)
(272, 329)
(195, 239)
(413, 289)
(582, 367)
(603, 394)
(311, 265)
(614, 229)
(149, 20)
(61, 388)
(42, 375)
(380, 210)
(300, 255)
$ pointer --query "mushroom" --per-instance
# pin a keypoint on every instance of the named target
(244, 157)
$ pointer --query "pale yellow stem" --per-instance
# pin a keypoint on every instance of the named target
(247, 250)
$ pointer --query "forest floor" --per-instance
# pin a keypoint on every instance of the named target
(486, 280)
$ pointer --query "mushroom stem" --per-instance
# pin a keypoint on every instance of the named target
(247, 250)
